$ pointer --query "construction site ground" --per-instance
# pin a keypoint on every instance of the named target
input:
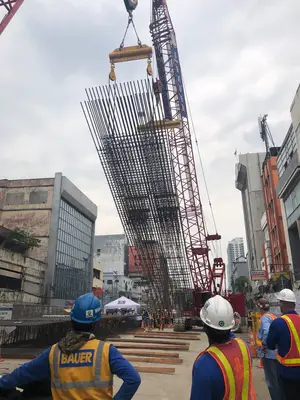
(169, 375)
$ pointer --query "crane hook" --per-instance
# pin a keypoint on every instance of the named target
(130, 5)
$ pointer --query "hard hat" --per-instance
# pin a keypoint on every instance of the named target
(263, 304)
(287, 295)
(86, 309)
(218, 313)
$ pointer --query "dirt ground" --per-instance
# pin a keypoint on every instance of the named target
(177, 386)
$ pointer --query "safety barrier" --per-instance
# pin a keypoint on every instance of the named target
(255, 322)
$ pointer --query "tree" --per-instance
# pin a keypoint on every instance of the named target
(242, 284)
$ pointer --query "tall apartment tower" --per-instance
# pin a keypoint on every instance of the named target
(248, 181)
(235, 250)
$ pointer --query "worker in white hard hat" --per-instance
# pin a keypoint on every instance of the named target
(79, 366)
(224, 370)
(268, 357)
(284, 336)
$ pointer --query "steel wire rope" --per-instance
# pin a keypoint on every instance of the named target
(202, 167)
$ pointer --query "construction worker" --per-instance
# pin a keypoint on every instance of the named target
(284, 335)
(79, 366)
(224, 370)
(268, 357)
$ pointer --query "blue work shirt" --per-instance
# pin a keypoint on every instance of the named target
(262, 335)
(208, 381)
(279, 337)
(39, 369)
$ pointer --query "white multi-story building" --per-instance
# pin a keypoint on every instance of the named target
(235, 250)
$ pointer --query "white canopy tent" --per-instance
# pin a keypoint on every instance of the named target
(122, 303)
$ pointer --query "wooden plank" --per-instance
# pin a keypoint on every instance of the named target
(150, 346)
(155, 360)
(145, 335)
(155, 370)
(169, 333)
(154, 341)
(145, 353)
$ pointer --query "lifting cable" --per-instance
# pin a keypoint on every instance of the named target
(130, 21)
(201, 162)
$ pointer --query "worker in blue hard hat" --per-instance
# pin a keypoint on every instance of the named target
(79, 366)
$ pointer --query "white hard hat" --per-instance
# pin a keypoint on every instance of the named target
(218, 313)
(287, 295)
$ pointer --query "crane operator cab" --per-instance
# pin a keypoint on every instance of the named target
(130, 53)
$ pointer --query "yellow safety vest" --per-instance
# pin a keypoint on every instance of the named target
(292, 358)
(84, 374)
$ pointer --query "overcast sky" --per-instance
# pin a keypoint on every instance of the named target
(240, 59)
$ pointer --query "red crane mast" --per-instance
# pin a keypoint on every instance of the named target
(11, 6)
(205, 278)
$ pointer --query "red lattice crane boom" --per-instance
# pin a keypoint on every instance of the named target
(205, 278)
(11, 7)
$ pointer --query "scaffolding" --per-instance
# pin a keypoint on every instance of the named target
(132, 139)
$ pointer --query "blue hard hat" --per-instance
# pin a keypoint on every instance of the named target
(86, 309)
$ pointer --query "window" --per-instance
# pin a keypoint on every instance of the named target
(40, 197)
(14, 199)
(73, 257)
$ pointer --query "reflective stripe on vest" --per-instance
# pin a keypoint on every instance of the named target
(292, 359)
(68, 371)
(272, 316)
(235, 363)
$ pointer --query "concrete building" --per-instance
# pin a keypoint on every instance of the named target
(55, 211)
(276, 242)
(288, 188)
(112, 252)
(239, 269)
(267, 252)
(21, 276)
(97, 277)
(235, 249)
(248, 181)
(115, 286)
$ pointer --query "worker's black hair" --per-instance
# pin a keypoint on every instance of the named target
(217, 336)
(77, 327)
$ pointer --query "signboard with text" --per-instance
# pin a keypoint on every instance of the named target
(258, 275)
(6, 311)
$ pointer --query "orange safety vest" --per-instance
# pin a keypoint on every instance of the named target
(84, 374)
(235, 362)
(292, 359)
(272, 316)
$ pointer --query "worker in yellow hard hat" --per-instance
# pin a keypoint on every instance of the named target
(79, 366)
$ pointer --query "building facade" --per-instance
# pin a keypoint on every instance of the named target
(276, 242)
(112, 252)
(288, 188)
(97, 277)
(56, 212)
(239, 269)
(235, 250)
(248, 181)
